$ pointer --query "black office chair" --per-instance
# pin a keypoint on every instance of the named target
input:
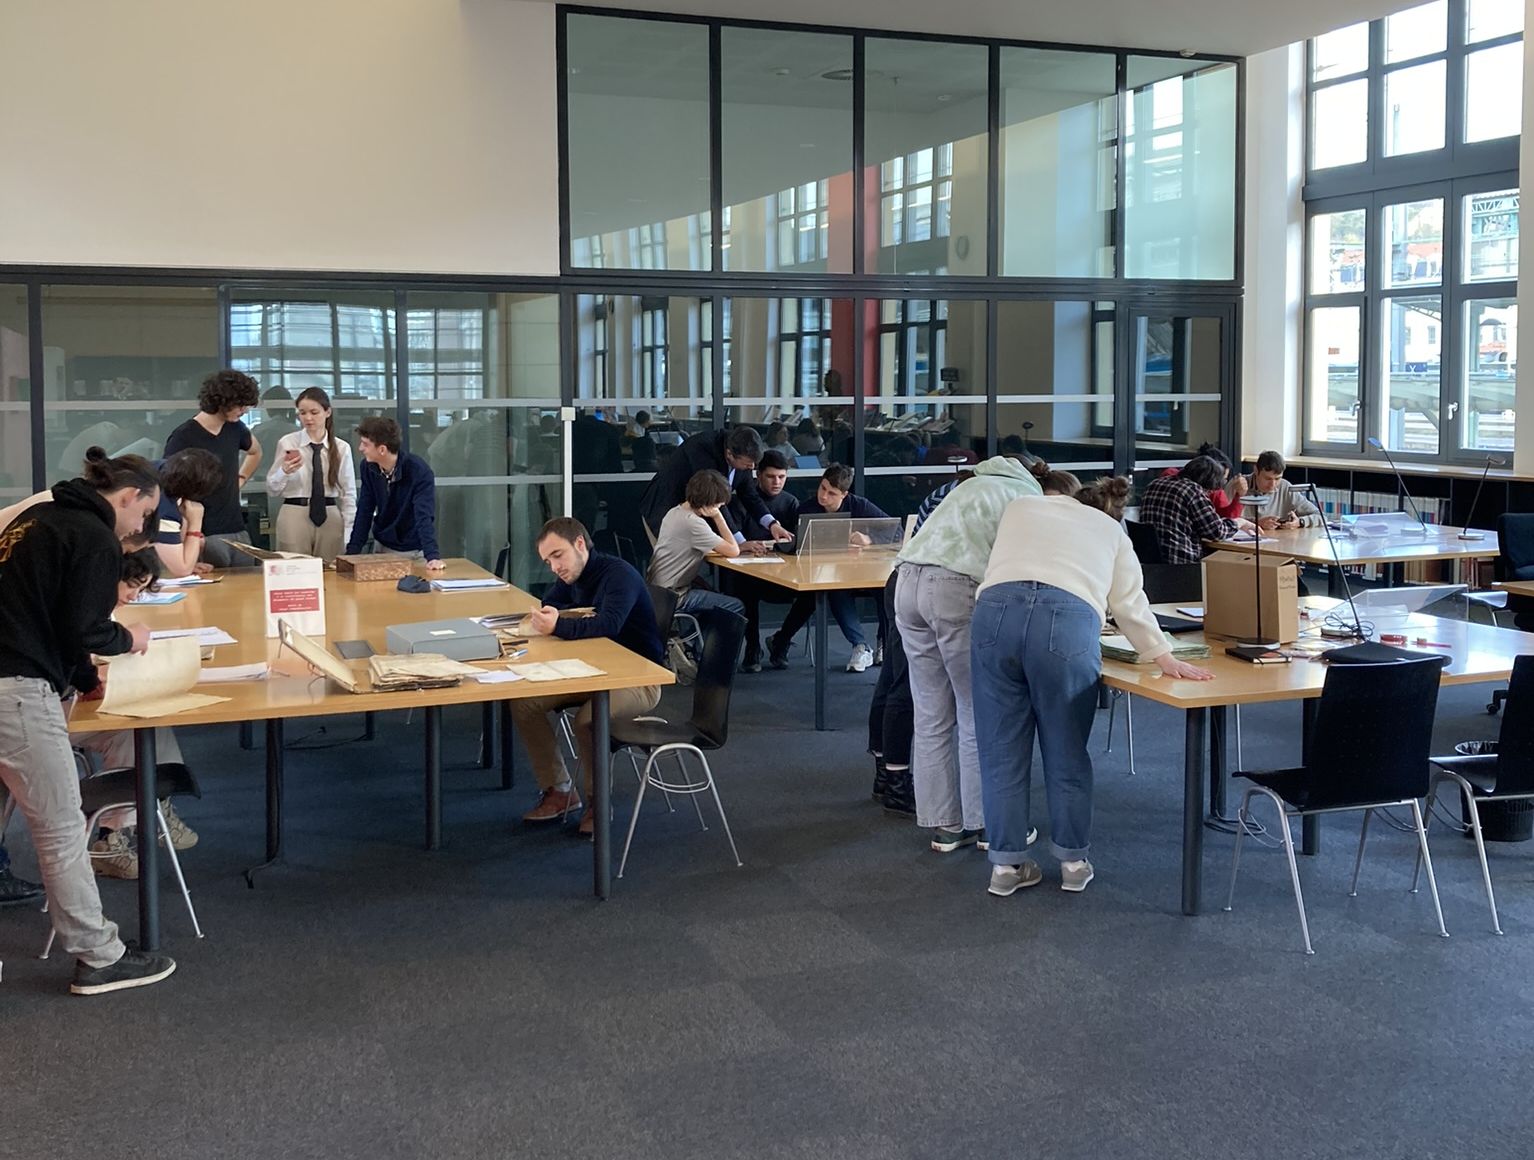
(1147, 547)
(1504, 771)
(707, 728)
(1368, 751)
(1515, 561)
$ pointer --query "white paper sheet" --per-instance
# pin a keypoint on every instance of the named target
(213, 675)
(500, 678)
(207, 635)
(467, 585)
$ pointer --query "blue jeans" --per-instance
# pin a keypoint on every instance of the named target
(701, 599)
(1035, 664)
(844, 610)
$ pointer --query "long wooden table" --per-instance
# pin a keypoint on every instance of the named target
(1517, 587)
(1310, 546)
(361, 611)
(822, 574)
(1477, 653)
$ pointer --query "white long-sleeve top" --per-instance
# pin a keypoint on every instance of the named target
(1054, 540)
(295, 485)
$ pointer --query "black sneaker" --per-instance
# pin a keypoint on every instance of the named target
(13, 889)
(881, 779)
(134, 969)
(777, 652)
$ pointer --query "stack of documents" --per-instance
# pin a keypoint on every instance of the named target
(391, 673)
(1118, 648)
(155, 683)
(467, 585)
(555, 670)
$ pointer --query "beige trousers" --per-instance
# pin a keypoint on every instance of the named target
(296, 534)
(532, 718)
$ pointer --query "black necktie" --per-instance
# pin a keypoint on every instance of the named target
(316, 486)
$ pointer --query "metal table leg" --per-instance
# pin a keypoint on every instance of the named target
(247, 736)
(487, 735)
(508, 735)
(149, 847)
(601, 796)
(275, 768)
(821, 646)
(1193, 809)
(369, 726)
(1310, 826)
(434, 777)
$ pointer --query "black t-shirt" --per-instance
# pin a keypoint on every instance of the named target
(221, 510)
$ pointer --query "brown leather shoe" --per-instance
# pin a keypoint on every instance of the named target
(588, 824)
(553, 804)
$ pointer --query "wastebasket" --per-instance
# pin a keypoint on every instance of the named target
(1500, 821)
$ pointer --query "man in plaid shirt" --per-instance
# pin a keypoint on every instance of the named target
(1179, 509)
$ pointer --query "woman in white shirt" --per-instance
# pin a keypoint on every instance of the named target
(312, 475)
(1059, 566)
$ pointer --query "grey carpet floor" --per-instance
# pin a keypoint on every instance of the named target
(847, 993)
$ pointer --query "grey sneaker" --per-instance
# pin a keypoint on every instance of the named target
(1007, 880)
(134, 969)
(1033, 836)
(947, 841)
(1074, 876)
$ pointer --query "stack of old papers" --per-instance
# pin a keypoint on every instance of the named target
(1118, 648)
(393, 672)
(156, 683)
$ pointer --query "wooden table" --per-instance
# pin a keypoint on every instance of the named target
(361, 611)
(1310, 546)
(1477, 652)
(1517, 587)
(823, 573)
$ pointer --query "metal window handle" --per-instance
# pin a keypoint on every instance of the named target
(1453, 410)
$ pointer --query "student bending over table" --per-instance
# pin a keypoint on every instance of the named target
(59, 569)
(1179, 509)
(1060, 565)
(611, 586)
(397, 507)
(693, 531)
(186, 479)
(771, 479)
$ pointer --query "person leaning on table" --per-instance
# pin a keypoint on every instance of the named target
(397, 508)
(312, 475)
(623, 612)
(1059, 567)
(59, 569)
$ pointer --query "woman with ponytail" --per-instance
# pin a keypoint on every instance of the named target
(60, 563)
(313, 477)
(1060, 566)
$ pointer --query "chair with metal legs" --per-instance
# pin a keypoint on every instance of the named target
(706, 729)
(114, 790)
(1368, 751)
(1503, 772)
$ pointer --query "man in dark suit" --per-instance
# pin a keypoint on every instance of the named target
(734, 454)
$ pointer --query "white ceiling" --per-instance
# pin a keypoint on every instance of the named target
(1234, 27)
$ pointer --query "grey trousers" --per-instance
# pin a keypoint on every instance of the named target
(933, 607)
(37, 767)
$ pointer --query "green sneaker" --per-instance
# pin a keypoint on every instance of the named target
(1033, 836)
(947, 841)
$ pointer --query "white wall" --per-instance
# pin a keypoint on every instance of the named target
(388, 135)
(1271, 314)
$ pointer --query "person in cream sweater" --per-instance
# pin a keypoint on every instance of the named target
(1060, 565)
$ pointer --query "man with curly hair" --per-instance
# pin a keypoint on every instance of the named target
(217, 428)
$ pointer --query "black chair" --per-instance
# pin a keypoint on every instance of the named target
(1501, 772)
(1515, 561)
(1368, 750)
(1147, 547)
(707, 728)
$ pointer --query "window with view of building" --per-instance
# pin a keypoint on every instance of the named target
(1411, 317)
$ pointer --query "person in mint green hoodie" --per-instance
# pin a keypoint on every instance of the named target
(939, 571)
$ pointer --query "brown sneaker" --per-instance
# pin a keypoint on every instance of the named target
(553, 804)
(588, 824)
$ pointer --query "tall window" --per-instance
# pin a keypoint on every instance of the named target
(804, 345)
(1411, 318)
(652, 347)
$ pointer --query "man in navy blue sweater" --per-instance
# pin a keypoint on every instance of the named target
(833, 495)
(622, 612)
(397, 499)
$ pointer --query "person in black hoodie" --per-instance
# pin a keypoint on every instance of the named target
(59, 567)
(734, 455)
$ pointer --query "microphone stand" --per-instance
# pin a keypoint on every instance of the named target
(1467, 532)
(1342, 576)
(1401, 480)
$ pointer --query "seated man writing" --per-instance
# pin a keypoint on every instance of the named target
(833, 495)
(616, 591)
(692, 531)
(771, 484)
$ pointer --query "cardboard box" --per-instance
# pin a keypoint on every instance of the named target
(459, 640)
(1236, 584)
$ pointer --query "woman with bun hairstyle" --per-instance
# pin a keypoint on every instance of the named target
(939, 570)
(1061, 565)
(59, 568)
(312, 475)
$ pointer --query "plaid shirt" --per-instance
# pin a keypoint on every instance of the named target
(1180, 512)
